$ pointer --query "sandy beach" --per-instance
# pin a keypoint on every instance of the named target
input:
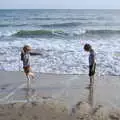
(52, 110)
(58, 96)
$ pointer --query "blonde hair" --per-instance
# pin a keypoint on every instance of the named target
(26, 48)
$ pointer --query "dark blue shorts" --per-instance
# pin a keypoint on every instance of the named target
(92, 69)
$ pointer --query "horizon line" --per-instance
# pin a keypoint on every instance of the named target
(60, 8)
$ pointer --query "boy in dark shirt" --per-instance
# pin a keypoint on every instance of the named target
(92, 63)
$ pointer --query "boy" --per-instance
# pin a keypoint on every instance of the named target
(25, 57)
(92, 63)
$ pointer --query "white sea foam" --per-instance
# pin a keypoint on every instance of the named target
(79, 32)
(7, 33)
(63, 56)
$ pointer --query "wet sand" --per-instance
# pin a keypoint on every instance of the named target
(52, 110)
(57, 96)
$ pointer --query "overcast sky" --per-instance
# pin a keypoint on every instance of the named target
(60, 4)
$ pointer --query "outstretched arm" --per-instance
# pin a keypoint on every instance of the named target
(38, 52)
(35, 53)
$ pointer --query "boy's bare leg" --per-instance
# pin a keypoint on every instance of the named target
(28, 81)
(91, 80)
(32, 75)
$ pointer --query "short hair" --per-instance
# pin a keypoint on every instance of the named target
(87, 47)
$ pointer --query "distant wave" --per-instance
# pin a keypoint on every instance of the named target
(24, 24)
(13, 25)
(70, 24)
(98, 32)
(56, 18)
(4, 25)
(107, 31)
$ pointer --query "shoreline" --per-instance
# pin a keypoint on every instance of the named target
(53, 73)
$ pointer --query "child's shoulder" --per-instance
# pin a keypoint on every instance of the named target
(92, 51)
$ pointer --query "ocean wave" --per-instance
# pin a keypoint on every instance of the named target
(102, 31)
(42, 33)
(99, 32)
(4, 25)
(24, 24)
(59, 33)
(7, 33)
(56, 18)
(70, 24)
(13, 25)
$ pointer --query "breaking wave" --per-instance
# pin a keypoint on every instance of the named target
(42, 33)
(60, 33)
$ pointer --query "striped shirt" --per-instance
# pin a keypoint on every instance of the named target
(26, 59)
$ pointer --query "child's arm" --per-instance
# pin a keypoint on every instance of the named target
(92, 58)
(35, 53)
(22, 55)
(41, 53)
(93, 63)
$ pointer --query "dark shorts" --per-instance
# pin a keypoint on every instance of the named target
(27, 69)
(92, 69)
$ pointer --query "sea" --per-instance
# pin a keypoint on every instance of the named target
(60, 35)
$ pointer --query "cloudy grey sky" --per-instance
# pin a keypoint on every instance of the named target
(62, 4)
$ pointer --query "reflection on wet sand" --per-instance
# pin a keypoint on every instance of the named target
(91, 95)
(29, 92)
(27, 95)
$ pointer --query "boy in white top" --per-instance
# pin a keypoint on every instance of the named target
(25, 57)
